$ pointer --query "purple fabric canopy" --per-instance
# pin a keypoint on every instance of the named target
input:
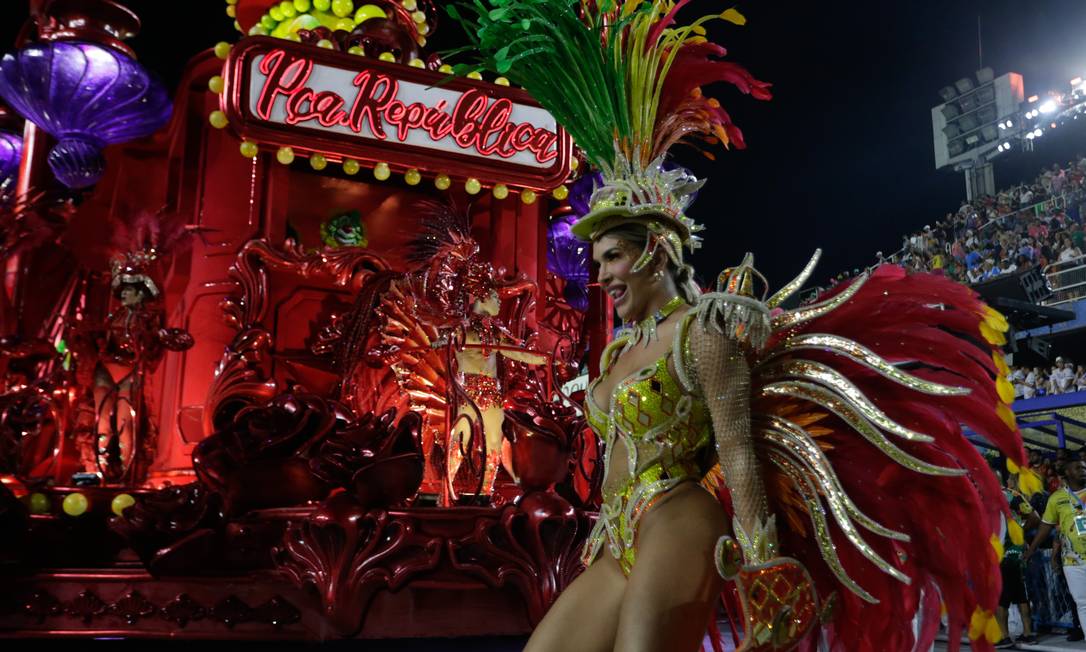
(85, 95)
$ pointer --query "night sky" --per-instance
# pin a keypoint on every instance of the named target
(841, 158)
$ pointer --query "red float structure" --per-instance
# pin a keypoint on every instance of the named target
(227, 407)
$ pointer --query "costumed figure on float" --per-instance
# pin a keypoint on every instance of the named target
(124, 350)
(458, 291)
(831, 434)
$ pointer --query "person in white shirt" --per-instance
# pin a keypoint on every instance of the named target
(1070, 252)
(1080, 379)
(1028, 390)
(1017, 375)
(1063, 376)
(1031, 377)
(1051, 388)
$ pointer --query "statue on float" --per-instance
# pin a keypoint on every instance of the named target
(458, 292)
(123, 350)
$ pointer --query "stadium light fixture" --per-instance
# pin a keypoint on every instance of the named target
(1047, 107)
(947, 93)
(964, 85)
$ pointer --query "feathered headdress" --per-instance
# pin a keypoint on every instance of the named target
(625, 81)
(139, 242)
(450, 269)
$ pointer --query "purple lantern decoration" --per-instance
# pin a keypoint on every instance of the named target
(11, 153)
(87, 96)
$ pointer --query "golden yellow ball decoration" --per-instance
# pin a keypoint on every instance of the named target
(442, 182)
(318, 162)
(357, 50)
(472, 186)
(231, 2)
(500, 191)
(286, 7)
(528, 197)
(412, 177)
(302, 6)
(231, 11)
(249, 149)
(342, 8)
(422, 28)
(324, 43)
(38, 503)
(345, 24)
(276, 14)
(475, 74)
(418, 16)
(574, 163)
(381, 172)
(410, 5)
(222, 49)
(386, 56)
(75, 504)
(366, 12)
(217, 119)
(350, 166)
(445, 68)
(560, 193)
(237, 26)
(216, 84)
(121, 502)
(421, 41)
(285, 155)
(501, 81)
(417, 63)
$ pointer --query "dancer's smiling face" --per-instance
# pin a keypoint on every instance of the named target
(635, 294)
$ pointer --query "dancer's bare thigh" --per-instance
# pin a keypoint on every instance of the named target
(674, 585)
(585, 616)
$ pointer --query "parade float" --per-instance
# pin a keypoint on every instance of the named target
(290, 354)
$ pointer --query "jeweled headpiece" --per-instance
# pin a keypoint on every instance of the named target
(625, 81)
(132, 269)
(449, 266)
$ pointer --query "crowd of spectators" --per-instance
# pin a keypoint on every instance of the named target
(1027, 226)
(1061, 378)
(1031, 225)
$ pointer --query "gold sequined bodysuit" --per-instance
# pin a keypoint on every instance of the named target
(664, 428)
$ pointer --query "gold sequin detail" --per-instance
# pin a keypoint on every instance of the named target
(793, 318)
(857, 352)
(793, 286)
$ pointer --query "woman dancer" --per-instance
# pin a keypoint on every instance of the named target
(830, 433)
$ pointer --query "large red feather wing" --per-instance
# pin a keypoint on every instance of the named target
(858, 413)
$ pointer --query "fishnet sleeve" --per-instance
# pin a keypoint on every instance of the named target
(722, 376)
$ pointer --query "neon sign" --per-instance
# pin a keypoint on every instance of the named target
(345, 106)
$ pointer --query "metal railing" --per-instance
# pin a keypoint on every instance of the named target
(1067, 280)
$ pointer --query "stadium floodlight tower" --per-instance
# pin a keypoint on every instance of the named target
(971, 124)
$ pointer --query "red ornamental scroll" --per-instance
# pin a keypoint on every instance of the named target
(346, 106)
